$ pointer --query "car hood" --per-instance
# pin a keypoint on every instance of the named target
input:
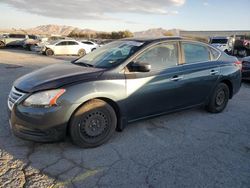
(48, 45)
(55, 76)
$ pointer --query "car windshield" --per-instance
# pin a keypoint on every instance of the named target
(110, 55)
(219, 41)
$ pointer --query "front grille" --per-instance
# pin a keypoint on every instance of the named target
(14, 97)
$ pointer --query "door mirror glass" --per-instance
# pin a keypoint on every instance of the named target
(140, 67)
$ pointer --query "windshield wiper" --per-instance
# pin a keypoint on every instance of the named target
(84, 64)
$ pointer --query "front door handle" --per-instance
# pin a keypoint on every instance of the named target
(213, 72)
(176, 78)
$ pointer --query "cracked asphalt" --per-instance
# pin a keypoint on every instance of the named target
(191, 148)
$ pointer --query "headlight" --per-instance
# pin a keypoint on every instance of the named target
(44, 98)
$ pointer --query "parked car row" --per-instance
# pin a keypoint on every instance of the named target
(55, 45)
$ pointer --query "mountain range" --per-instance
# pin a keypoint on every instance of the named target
(65, 30)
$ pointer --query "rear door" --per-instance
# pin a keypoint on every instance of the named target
(200, 72)
(73, 47)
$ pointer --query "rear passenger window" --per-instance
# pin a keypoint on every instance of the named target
(160, 56)
(62, 43)
(214, 54)
(72, 43)
(87, 42)
(195, 53)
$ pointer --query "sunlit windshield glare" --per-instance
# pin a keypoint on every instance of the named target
(111, 55)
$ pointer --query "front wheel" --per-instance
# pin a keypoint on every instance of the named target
(93, 124)
(49, 52)
(81, 53)
(219, 99)
(2, 45)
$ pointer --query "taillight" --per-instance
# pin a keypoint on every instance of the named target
(238, 64)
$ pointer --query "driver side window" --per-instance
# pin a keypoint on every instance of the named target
(161, 56)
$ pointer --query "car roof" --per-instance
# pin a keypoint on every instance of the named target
(153, 39)
(62, 40)
(218, 37)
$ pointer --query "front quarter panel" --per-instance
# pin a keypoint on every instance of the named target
(113, 89)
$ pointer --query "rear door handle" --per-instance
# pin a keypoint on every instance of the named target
(176, 78)
(213, 72)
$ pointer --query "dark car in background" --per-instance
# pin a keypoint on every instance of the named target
(246, 68)
(121, 82)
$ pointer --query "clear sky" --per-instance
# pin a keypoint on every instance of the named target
(134, 15)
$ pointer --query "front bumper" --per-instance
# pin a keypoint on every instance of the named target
(48, 135)
(246, 74)
(39, 124)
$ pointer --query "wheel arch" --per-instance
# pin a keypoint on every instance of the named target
(47, 48)
(3, 42)
(112, 103)
(230, 86)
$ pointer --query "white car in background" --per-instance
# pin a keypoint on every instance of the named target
(225, 44)
(66, 47)
(91, 44)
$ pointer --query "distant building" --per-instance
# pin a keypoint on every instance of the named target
(213, 33)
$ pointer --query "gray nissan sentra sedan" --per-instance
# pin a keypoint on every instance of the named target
(121, 82)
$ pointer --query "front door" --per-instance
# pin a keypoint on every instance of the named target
(61, 48)
(159, 90)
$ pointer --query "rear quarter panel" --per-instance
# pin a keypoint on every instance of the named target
(230, 72)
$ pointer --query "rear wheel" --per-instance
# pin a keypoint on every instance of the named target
(2, 45)
(49, 52)
(219, 99)
(81, 53)
(93, 124)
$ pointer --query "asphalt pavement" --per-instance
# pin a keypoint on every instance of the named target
(191, 148)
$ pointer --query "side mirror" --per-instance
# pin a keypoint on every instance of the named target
(140, 67)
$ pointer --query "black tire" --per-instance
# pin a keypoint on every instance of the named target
(93, 124)
(219, 99)
(28, 47)
(93, 49)
(81, 52)
(49, 52)
(2, 45)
